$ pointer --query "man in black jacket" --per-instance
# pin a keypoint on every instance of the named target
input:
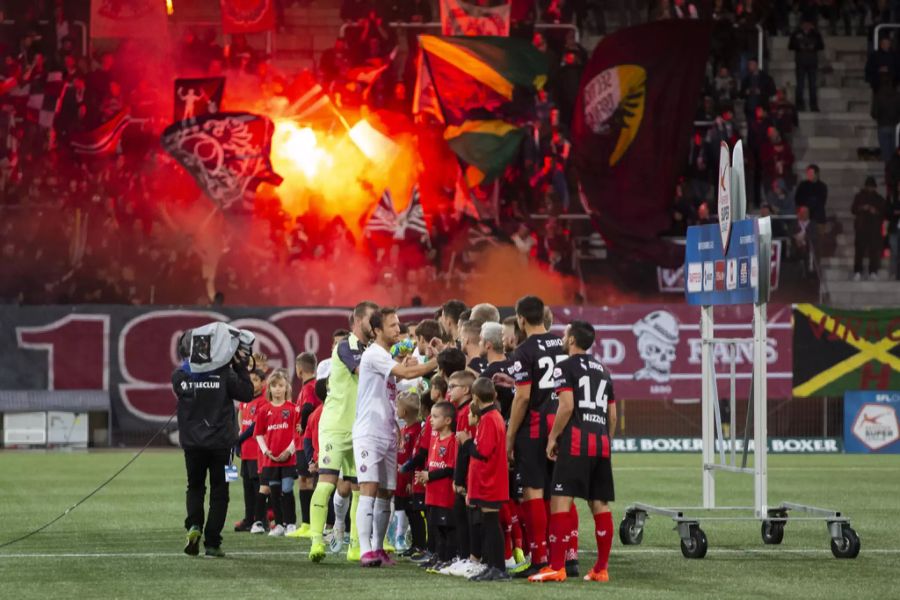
(806, 43)
(212, 377)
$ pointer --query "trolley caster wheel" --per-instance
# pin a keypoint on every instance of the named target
(772, 532)
(696, 545)
(629, 533)
(847, 546)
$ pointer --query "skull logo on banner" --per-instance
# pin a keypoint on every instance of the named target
(657, 338)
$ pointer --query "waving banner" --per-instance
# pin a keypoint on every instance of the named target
(463, 18)
(198, 96)
(247, 16)
(227, 153)
(637, 100)
(128, 18)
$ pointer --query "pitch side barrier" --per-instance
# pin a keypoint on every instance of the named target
(728, 263)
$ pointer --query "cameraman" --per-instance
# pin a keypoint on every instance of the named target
(213, 375)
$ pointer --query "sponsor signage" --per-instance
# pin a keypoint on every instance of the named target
(663, 445)
(872, 422)
(733, 283)
(653, 351)
(673, 281)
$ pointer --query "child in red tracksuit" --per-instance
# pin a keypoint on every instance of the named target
(487, 484)
(405, 500)
(438, 482)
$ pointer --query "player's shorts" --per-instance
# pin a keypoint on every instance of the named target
(587, 477)
(515, 486)
(336, 454)
(276, 474)
(491, 504)
(438, 516)
(302, 466)
(413, 502)
(249, 469)
(376, 462)
(532, 466)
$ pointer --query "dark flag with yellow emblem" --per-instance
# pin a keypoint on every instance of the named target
(632, 126)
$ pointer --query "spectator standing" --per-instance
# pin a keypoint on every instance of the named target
(725, 89)
(894, 234)
(806, 43)
(757, 131)
(870, 210)
(882, 62)
(777, 160)
(812, 194)
(783, 114)
(886, 112)
(756, 88)
(803, 238)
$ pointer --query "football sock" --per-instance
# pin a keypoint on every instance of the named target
(560, 529)
(318, 510)
(365, 509)
(340, 506)
(604, 533)
(416, 528)
(305, 500)
(289, 508)
(461, 522)
(506, 525)
(329, 520)
(402, 525)
(537, 530)
(275, 501)
(493, 541)
(572, 550)
(354, 527)
(260, 509)
(382, 518)
(475, 533)
(520, 522)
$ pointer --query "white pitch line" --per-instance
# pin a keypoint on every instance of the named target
(773, 552)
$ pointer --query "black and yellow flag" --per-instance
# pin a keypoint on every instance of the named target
(841, 350)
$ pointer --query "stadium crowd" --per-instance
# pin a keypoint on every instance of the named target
(106, 229)
(457, 443)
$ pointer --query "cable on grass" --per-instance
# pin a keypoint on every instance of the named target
(97, 489)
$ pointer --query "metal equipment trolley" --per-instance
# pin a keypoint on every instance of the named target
(719, 453)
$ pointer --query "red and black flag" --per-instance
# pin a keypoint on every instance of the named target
(197, 96)
(104, 140)
(633, 121)
(226, 153)
(247, 16)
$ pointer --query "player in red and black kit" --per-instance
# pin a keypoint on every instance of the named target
(254, 502)
(307, 401)
(580, 443)
(526, 438)
(438, 482)
(488, 478)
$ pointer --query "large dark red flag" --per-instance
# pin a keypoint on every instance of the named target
(631, 130)
(247, 16)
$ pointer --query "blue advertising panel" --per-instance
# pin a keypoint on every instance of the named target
(871, 425)
(713, 277)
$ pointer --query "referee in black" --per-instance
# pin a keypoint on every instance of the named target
(207, 426)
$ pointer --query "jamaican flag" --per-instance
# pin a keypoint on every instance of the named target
(483, 89)
(840, 350)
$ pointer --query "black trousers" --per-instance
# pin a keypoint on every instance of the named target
(250, 480)
(199, 461)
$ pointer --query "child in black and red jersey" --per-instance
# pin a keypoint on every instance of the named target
(276, 428)
(438, 482)
(307, 401)
(487, 484)
(468, 519)
(249, 452)
(405, 499)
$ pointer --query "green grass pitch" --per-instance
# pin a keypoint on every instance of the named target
(126, 541)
